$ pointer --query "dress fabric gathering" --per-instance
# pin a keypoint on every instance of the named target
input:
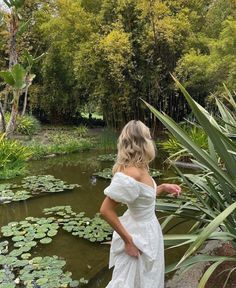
(146, 271)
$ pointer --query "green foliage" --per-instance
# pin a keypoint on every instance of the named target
(15, 77)
(26, 125)
(13, 156)
(204, 71)
(107, 173)
(24, 269)
(108, 54)
(60, 144)
(176, 150)
(82, 131)
(107, 157)
(35, 186)
(14, 3)
(107, 140)
(214, 186)
(92, 229)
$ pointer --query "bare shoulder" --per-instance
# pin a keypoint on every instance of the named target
(133, 172)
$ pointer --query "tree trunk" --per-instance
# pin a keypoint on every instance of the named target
(13, 59)
(6, 93)
(25, 100)
(2, 120)
(13, 27)
(11, 126)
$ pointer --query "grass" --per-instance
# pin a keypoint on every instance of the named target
(61, 145)
(107, 141)
(13, 156)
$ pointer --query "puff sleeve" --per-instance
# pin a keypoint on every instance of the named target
(123, 188)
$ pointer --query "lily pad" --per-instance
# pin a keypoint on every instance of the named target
(46, 240)
(107, 157)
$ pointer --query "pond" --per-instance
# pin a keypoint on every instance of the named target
(83, 258)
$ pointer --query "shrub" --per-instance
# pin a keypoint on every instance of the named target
(26, 125)
(174, 147)
(13, 156)
(81, 130)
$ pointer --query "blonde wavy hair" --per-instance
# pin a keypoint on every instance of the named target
(135, 147)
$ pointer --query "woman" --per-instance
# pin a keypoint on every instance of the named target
(137, 250)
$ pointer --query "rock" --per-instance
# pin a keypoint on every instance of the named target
(191, 278)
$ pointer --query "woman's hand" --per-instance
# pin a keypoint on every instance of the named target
(131, 249)
(172, 189)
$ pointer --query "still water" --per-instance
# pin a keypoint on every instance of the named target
(84, 259)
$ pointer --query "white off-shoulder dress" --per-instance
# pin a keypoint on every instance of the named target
(146, 271)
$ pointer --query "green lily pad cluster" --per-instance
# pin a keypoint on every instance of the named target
(107, 173)
(107, 157)
(34, 185)
(93, 229)
(43, 272)
(46, 272)
(25, 234)
(7, 196)
(19, 269)
(46, 183)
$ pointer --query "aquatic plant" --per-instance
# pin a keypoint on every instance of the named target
(46, 183)
(107, 157)
(19, 269)
(107, 173)
(93, 229)
(35, 185)
(45, 272)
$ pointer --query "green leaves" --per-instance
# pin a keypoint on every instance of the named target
(218, 138)
(209, 229)
(14, 3)
(18, 74)
(214, 186)
(7, 77)
(15, 77)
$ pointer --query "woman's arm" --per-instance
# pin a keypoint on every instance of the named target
(108, 212)
(173, 189)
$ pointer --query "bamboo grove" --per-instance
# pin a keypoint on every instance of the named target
(104, 55)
